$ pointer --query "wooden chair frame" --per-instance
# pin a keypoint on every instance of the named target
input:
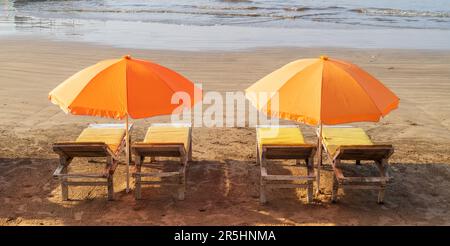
(67, 151)
(141, 150)
(378, 153)
(304, 152)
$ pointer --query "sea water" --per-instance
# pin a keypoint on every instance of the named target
(234, 24)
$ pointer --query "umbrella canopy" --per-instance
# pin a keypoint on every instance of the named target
(122, 88)
(323, 90)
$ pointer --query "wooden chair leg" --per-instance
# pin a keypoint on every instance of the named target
(110, 162)
(381, 195)
(182, 179)
(318, 179)
(262, 187)
(181, 191)
(64, 187)
(310, 189)
(310, 194)
(334, 191)
(262, 192)
(137, 191)
(110, 188)
(182, 188)
(382, 166)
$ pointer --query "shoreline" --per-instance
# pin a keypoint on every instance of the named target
(38, 38)
(149, 35)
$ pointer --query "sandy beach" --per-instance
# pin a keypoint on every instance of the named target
(223, 177)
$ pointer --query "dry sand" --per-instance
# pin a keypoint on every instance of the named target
(223, 178)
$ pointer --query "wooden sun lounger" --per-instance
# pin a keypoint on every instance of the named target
(349, 143)
(284, 142)
(164, 140)
(97, 140)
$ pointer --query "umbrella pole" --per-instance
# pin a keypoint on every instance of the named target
(127, 151)
(319, 159)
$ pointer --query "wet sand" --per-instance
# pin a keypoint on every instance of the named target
(223, 178)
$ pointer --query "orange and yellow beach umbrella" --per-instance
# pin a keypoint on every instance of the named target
(322, 91)
(123, 88)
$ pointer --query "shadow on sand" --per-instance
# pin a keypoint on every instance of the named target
(221, 193)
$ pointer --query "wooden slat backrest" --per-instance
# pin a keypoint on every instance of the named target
(289, 152)
(163, 149)
(82, 149)
(364, 152)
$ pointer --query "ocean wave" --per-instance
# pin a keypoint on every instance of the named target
(304, 8)
(189, 12)
(297, 9)
(216, 12)
(236, 1)
(228, 8)
(400, 12)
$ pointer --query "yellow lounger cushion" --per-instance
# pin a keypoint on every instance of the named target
(110, 136)
(333, 137)
(167, 134)
(280, 136)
